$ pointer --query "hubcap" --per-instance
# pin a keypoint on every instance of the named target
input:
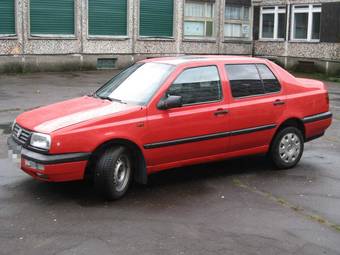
(121, 173)
(290, 147)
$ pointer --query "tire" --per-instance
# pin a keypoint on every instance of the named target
(114, 172)
(287, 148)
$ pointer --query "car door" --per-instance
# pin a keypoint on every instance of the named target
(256, 104)
(194, 130)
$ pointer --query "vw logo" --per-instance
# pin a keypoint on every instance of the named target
(19, 132)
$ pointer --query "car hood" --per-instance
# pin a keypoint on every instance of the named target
(52, 117)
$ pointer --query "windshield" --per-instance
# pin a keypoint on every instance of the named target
(136, 84)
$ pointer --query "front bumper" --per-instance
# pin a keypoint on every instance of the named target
(48, 167)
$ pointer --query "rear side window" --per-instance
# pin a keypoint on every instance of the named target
(251, 79)
(244, 80)
(270, 83)
(197, 85)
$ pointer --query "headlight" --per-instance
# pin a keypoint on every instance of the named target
(41, 141)
(13, 124)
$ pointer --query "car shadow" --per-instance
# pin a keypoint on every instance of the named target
(160, 185)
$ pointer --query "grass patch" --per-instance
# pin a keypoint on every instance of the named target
(317, 76)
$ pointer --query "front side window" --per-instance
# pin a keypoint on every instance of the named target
(136, 84)
(306, 22)
(7, 17)
(198, 19)
(236, 21)
(251, 79)
(197, 85)
(273, 22)
(50, 17)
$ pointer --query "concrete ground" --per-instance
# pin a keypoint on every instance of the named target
(241, 206)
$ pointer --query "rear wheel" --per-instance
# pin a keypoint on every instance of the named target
(113, 172)
(287, 148)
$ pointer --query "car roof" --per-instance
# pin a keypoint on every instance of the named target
(205, 59)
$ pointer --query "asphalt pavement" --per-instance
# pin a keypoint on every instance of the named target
(239, 206)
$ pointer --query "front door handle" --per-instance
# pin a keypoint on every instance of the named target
(221, 111)
(278, 102)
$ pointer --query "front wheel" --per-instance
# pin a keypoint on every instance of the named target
(287, 148)
(113, 172)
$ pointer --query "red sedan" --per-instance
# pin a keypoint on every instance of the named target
(171, 112)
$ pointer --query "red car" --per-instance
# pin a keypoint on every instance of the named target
(172, 112)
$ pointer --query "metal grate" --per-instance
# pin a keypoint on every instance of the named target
(22, 135)
(106, 63)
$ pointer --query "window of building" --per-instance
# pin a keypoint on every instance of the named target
(198, 19)
(306, 22)
(50, 17)
(107, 17)
(197, 85)
(273, 22)
(236, 21)
(250, 80)
(7, 18)
(156, 18)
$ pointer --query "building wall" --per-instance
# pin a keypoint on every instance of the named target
(26, 53)
(323, 56)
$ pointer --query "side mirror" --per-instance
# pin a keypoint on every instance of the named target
(169, 102)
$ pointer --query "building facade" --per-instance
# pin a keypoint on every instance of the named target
(302, 34)
(44, 35)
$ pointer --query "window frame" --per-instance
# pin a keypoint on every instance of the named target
(15, 35)
(257, 95)
(276, 10)
(200, 19)
(310, 10)
(153, 37)
(33, 36)
(123, 37)
(238, 22)
(193, 67)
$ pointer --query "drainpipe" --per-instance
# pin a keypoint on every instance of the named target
(133, 37)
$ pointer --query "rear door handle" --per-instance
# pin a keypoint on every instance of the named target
(278, 102)
(221, 111)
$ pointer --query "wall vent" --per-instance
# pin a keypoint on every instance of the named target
(106, 63)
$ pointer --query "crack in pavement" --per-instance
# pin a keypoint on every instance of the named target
(281, 201)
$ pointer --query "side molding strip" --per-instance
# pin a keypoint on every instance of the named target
(208, 137)
(321, 116)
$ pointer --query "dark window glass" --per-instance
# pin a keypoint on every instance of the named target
(244, 80)
(281, 28)
(270, 83)
(301, 25)
(52, 17)
(197, 85)
(107, 17)
(156, 18)
(7, 17)
(316, 26)
(268, 25)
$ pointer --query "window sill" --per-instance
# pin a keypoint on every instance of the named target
(237, 40)
(107, 37)
(271, 40)
(304, 41)
(200, 39)
(155, 38)
(8, 37)
(52, 37)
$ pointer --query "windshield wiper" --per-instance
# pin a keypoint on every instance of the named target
(112, 99)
